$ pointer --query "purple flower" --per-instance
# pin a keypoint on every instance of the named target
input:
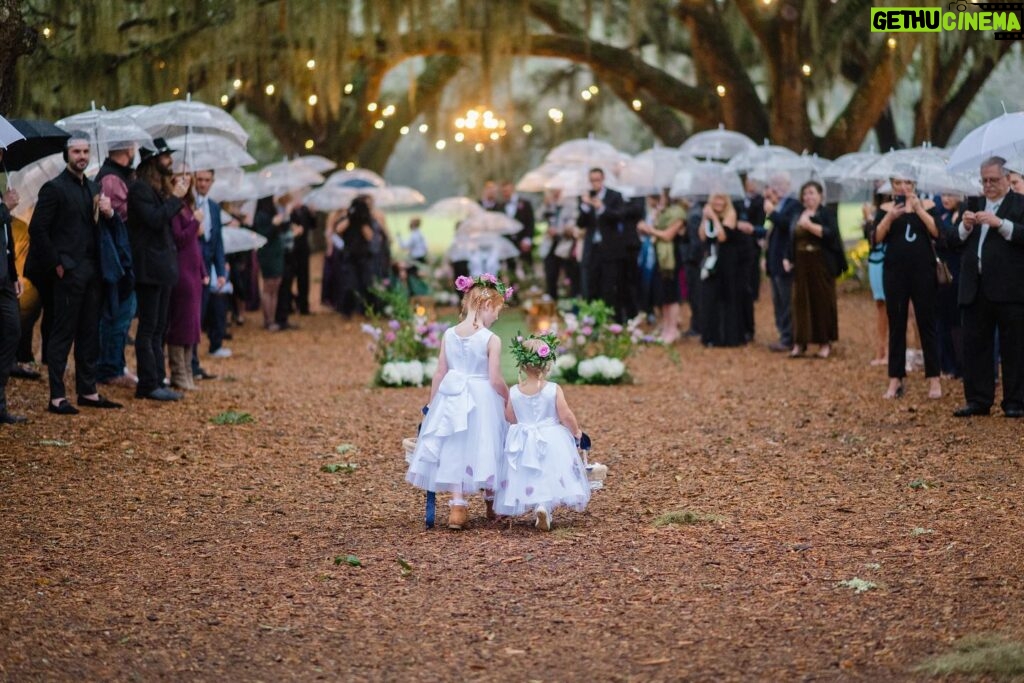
(615, 328)
(394, 324)
(463, 283)
(544, 351)
(587, 330)
(489, 277)
(508, 293)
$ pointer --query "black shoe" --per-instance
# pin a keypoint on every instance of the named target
(8, 419)
(101, 402)
(970, 410)
(228, 336)
(62, 408)
(22, 372)
(1013, 411)
(203, 374)
(161, 394)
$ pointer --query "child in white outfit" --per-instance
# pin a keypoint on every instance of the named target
(460, 441)
(541, 468)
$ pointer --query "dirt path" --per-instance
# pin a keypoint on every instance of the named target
(150, 543)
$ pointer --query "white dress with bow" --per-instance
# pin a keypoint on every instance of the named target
(460, 441)
(541, 465)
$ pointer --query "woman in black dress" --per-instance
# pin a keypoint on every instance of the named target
(721, 311)
(815, 317)
(907, 226)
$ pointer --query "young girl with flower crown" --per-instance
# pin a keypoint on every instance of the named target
(462, 435)
(541, 467)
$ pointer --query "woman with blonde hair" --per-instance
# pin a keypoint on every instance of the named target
(721, 310)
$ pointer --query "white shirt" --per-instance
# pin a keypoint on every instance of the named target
(416, 245)
(1005, 228)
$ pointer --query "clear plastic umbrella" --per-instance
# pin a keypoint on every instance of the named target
(489, 222)
(356, 177)
(719, 144)
(320, 164)
(535, 179)
(701, 179)
(654, 169)
(30, 179)
(238, 189)
(107, 130)
(391, 196)
(587, 151)
(927, 166)
(458, 208)
(1003, 136)
(285, 176)
(484, 252)
(241, 239)
(574, 180)
(180, 117)
(208, 152)
(845, 176)
(330, 198)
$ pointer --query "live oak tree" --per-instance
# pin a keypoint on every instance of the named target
(807, 74)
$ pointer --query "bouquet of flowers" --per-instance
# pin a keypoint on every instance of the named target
(404, 345)
(596, 347)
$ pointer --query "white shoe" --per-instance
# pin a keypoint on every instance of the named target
(543, 518)
(222, 352)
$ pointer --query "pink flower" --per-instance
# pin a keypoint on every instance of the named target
(508, 293)
(463, 283)
(586, 329)
(615, 328)
(544, 351)
(389, 337)
(489, 277)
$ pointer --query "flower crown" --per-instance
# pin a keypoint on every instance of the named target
(464, 283)
(535, 358)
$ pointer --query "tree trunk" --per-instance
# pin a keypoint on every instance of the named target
(16, 39)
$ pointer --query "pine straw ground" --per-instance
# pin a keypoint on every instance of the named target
(152, 544)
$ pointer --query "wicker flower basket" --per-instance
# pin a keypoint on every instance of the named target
(409, 446)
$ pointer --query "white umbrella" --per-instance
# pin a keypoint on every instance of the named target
(320, 164)
(241, 239)
(718, 144)
(587, 151)
(390, 196)
(238, 189)
(489, 222)
(107, 130)
(845, 176)
(356, 177)
(285, 176)
(574, 180)
(926, 166)
(761, 159)
(8, 133)
(29, 180)
(168, 119)
(455, 207)
(330, 198)
(654, 169)
(702, 179)
(535, 179)
(1003, 136)
(208, 152)
(485, 252)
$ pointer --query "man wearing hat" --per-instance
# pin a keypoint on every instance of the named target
(10, 290)
(153, 200)
(116, 263)
(64, 247)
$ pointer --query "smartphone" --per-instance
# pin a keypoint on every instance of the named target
(899, 200)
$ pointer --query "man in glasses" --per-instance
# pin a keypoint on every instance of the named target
(991, 295)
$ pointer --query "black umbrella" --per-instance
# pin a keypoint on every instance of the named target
(42, 139)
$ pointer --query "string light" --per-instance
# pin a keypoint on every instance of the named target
(586, 95)
(311, 64)
(720, 89)
(555, 115)
(378, 124)
(404, 130)
(806, 68)
(348, 88)
(224, 99)
(891, 43)
(176, 91)
(161, 65)
(637, 105)
(478, 147)
(309, 144)
(313, 99)
(388, 110)
(372, 106)
(269, 89)
(440, 145)
(527, 128)
(460, 136)
(424, 128)
(593, 90)
(237, 83)
(350, 165)
(47, 32)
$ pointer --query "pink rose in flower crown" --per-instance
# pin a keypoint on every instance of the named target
(508, 293)
(463, 283)
(615, 328)
(489, 277)
(544, 351)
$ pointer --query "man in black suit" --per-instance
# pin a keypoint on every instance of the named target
(991, 294)
(64, 241)
(783, 210)
(601, 214)
(749, 229)
(10, 290)
(521, 210)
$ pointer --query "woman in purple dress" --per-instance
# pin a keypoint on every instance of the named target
(187, 295)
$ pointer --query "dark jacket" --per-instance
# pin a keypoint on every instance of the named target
(62, 231)
(831, 241)
(149, 230)
(608, 225)
(7, 244)
(213, 248)
(1002, 260)
(781, 236)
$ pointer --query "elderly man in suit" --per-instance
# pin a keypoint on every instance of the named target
(783, 209)
(991, 294)
(64, 245)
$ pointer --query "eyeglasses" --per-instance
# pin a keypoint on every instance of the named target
(990, 181)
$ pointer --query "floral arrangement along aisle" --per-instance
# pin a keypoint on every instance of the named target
(404, 344)
(595, 347)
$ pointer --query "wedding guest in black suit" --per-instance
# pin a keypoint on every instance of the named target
(64, 241)
(991, 292)
(10, 290)
(522, 210)
(782, 209)
(749, 229)
(601, 216)
(153, 200)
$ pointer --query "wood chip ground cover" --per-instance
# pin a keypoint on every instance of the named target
(151, 543)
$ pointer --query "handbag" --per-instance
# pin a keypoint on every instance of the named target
(942, 274)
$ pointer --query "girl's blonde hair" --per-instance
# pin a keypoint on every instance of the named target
(479, 297)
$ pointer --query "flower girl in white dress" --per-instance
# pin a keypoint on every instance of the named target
(460, 440)
(541, 468)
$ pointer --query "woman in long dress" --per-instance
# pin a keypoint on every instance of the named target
(815, 316)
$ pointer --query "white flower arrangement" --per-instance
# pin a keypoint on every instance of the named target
(565, 362)
(411, 373)
(602, 367)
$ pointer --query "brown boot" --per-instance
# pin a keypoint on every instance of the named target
(458, 515)
(181, 372)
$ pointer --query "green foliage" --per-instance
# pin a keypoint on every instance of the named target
(344, 448)
(405, 567)
(683, 517)
(979, 655)
(857, 585)
(232, 417)
(345, 467)
(350, 560)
